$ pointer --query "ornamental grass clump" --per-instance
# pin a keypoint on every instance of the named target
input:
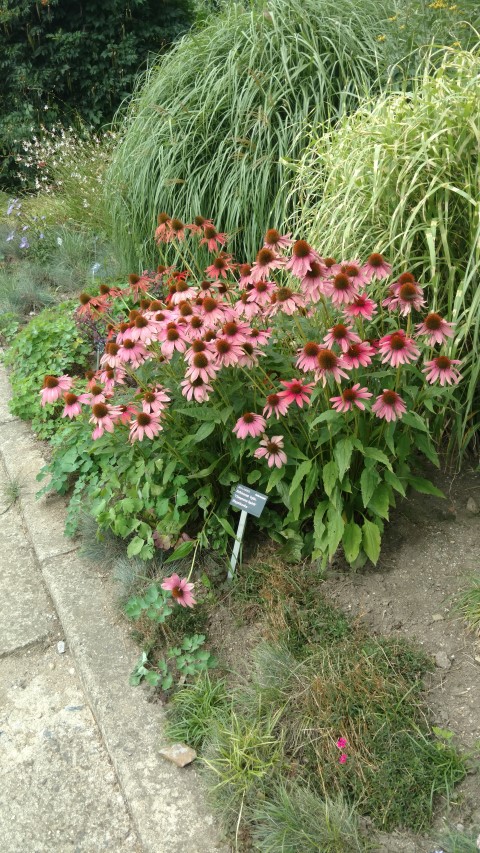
(284, 374)
(402, 174)
(214, 124)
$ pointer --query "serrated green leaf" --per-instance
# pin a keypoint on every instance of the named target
(300, 473)
(343, 453)
(371, 540)
(335, 528)
(378, 455)
(275, 477)
(394, 482)
(253, 477)
(310, 482)
(351, 541)
(379, 503)
(151, 594)
(414, 420)
(368, 482)
(135, 546)
(425, 487)
(183, 550)
(330, 476)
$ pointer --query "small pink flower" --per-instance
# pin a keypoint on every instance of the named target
(73, 404)
(275, 405)
(358, 355)
(266, 261)
(163, 227)
(212, 237)
(355, 272)
(132, 351)
(54, 387)
(154, 400)
(103, 416)
(220, 266)
(389, 405)
(314, 284)
(442, 368)
(397, 349)
(173, 340)
(249, 424)
(341, 335)
(307, 357)
(361, 306)
(259, 337)
(436, 329)
(329, 364)
(377, 267)
(272, 450)
(196, 389)
(145, 424)
(341, 742)
(350, 397)
(275, 241)
(245, 271)
(286, 301)
(342, 758)
(261, 292)
(202, 366)
(302, 259)
(296, 392)
(341, 289)
(404, 294)
(226, 352)
(181, 590)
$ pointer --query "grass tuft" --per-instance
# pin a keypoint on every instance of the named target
(469, 605)
(193, 708)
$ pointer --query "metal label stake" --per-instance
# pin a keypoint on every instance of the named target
(249, 502)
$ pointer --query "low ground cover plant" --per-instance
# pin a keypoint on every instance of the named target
(284, 374)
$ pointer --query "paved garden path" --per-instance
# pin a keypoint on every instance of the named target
(79, 764)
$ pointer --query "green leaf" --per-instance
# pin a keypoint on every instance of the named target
(326, 417)
(379, 503)
(300, 473)
(343, 454)
(425, 487)
(204, 431)
(310, 482)
(351, 541)
(368, 482)
(371, 540)
(378, 455)
(152, 594)
(335, 528)
(413, 419)
(135, 546)
(183, 550)
(330, 476)
(275, 477)
(318, 523)
(296, 498)
(253, 477)
(394, 482)
(227, 526)
(425, 445)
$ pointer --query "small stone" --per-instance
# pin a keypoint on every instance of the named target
(179, 753)
(472, 507)
(459, 827)
(442, 660)
(437, 617)
(477, 658)
(61, 647)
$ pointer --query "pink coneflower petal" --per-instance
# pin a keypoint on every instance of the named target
(272, 450)
(361, 306)
(275, 405)
(249, 424)
(54, 387)
(73, 404)
(442, 369)
(389, 405)
(303, 256)
(212, 237)
(355, 272)
(358, 355)
(285, 301)
(181, 590)
(377, 267)
(329, 364)
(296, 392)
(220, 266)
(307, 357)
(196, 389)
(341, 335)
(145, 424)
(435, 328)
(404, 295)
(266, 260)
(341, 289)
(275, 241)
(397, 349)
(351, 397)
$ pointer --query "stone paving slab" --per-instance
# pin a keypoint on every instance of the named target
(5, 396)
(59, 793)
(26, 613)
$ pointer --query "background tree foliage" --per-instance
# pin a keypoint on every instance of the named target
(74, 59)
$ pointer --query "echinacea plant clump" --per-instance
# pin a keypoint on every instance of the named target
(283, 373)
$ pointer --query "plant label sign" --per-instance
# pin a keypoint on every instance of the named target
(248, 500)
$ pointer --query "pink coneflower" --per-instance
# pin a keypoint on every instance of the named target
(249, 424)
(307, 357)
(303, 256)
(73, 404)
(227, 353)
(181, 590)
(197, 345)
(155, 400)
(286, 301)
(183, 292)
(126, 412)
(275, 241)
(272, 450)
(358, 355)
(442, 368)
(259, 337)
(196, 389)
(245, 271)
(389, 405)
(266, 261)
(261, 292)
(355, 272)
(213, 311)
(377, 267)
(163, 228)
(398, 349)
(361, 306)
(199, 224)
(313, 284)
(245, 308)
(341, 335)
(296, 392)
(220, 266)
(110, 356)
(436, 329)
(404, 295)
(201, 366)
(275, 405)
(145, 424)
(54, 387)
(132, 351)
(103, 417)
(329, 364)
(249, 357)
(341, 289)
(143, 329)
(212, 238)
(175, 230)
(173, 339)
(235, 331)
(97, 393)
(350, 397)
